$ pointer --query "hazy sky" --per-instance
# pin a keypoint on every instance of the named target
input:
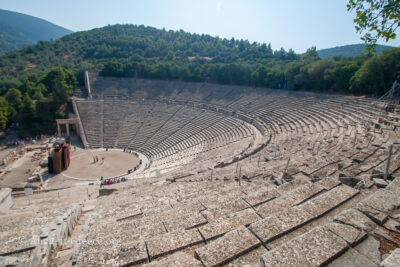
(297, 24)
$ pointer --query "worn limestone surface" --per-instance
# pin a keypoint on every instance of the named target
(352, 258)
(225, 224)
(325, 202)
(357, 219)
(348, 233)
(276, 225)
(231, 245)
(179, 259)
(310, 249)
(392, 260)
(257, 198)
(185, 222)
(173, 241)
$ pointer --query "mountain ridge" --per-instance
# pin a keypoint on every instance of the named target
(18, 30)
(351, 50)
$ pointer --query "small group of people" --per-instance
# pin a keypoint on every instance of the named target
(110, 181)
(24, 141)
(96, 159)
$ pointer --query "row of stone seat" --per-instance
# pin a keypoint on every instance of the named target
(162, 229)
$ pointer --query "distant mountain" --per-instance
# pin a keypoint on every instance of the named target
(19, 30)
(349, 50)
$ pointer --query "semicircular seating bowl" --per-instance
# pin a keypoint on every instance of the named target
(223, 196)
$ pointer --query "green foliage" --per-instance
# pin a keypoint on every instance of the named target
(4, 109)
(38, 100)
(14, 98)
(61, 83)
(377, 74)
(378, 18)
(18, 30)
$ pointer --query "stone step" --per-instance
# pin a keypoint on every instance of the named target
(227, 247)
(356, 219)
(109, 251)
(352, 258)
(274, 206)
(178, 259)
(329, 182)
(313, 248)
(292, 198)
(276, 225)
(171, 242)
(225, 224)
(185, 222)
(323, 203)
(304, 192)
(378, 205)
(258, 198)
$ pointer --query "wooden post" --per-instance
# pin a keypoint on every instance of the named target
(388, 162)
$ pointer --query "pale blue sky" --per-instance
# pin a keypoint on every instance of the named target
(297, 24)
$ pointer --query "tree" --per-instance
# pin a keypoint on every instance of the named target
(311, 55)
(61, 83)
(14, 97)
(3, 113)
(377, 74)
(379, 19)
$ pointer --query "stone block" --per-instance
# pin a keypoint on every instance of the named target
(378, 205)
(329, 182)
(5, 199)
(348, 233)
(392, 260)
(225, 224)
(323, 203)
(227, 247)
(352, 258)
(276, 225)
(314, 248)
(274, 206)
(185, 222)
(370, 249)
(258, 198)
(305, 192)
(357, 219)
(131, 253)
(380, 183)
(171, 242)
(178, 259)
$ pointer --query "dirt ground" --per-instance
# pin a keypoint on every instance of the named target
(17, 174)
(115, 163)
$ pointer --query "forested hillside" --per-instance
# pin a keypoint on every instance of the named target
(138, 51)
(349, 50)
(19, 30)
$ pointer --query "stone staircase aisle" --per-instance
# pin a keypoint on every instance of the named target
(63, 256)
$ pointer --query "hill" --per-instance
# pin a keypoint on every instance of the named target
(19, 30)
(349, 50)
(147, 52)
